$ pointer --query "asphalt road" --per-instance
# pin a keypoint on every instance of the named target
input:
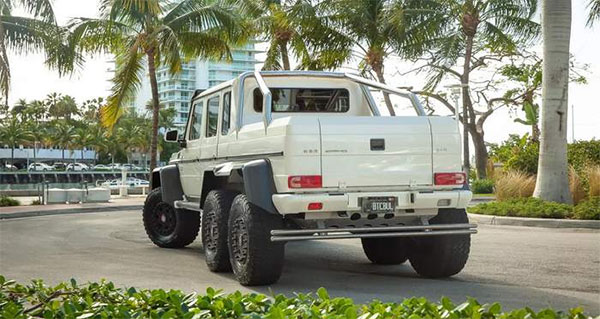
(517, 266)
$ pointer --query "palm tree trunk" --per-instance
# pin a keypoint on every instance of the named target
(464, 81)
(388, 102)
(552, 180)
(285, 57)
(155, 109)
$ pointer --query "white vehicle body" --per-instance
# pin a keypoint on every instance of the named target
(39, 167)
(77, 167)
(335, 146)
(271, 157)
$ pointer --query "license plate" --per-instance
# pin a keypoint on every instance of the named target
(379, 204)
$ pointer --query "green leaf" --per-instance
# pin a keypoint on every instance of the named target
(322, 293)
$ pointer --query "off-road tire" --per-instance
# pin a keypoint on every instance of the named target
(442, 256)
(255, 260)
(215, 219)
(387, 251)
(166, 226)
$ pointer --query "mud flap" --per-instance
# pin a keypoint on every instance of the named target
(259, 185)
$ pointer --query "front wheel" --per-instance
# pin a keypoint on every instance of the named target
(166, 226)
(255, 259)
(442, 256)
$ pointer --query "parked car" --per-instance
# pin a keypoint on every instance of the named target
(101, 167)
(59, 166)
(114, 166)
(138, 181)
(309, 156)
(77, 167)
(9, 167)
(131, 167)
(39, 167)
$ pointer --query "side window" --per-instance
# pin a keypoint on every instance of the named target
(196, 121)
(226, 121)
(212, 116)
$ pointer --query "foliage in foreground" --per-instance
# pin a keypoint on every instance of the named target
(7, 201)
(537, 208)
(482, 186)
(104, 300)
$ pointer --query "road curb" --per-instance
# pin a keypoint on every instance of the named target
(66, 211)
(533, 222)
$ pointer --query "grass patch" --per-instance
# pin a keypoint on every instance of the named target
(588, 209)
(7, 201)
(104, 300)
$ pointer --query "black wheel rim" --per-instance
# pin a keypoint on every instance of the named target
(163, 219)
(239, 241)
(210, 231)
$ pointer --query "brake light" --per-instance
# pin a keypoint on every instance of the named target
(449, 178)
(305, 181)
(315, 206)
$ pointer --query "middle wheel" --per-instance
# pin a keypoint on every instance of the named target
(387, 251)
(215, 216)
(255, 259)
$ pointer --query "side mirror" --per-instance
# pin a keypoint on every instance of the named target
(172, 136)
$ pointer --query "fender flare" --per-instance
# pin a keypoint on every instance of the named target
(259, 185)
(170, 184)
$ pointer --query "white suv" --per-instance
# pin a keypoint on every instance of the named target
(273, 157)
(39, 167)
(77, 167)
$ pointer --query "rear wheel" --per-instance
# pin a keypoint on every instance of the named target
(442, 256)
(215, 216)
(166, 226)
(387, 251)
(255, 259)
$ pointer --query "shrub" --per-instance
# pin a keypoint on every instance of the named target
(514, 184)
(588, 209)
(7, 201)
(482, 186)
(576, 186)
(593, 175)
(582, 154)
(104, 300)
(36, 202)
(524, 207)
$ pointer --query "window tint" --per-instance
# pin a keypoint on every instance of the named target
(196, 121)
(225, 123)
(305, 100)
(212, 116)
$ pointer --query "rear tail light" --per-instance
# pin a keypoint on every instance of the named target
(305, 181)
(315, 206)
(449, 178)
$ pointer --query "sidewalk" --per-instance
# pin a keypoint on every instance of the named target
(116, 203)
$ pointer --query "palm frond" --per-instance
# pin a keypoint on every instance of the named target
(594, 12)
(272, 59)
(39, 9)
(126, 82)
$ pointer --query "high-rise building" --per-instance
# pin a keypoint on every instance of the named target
(175, 91)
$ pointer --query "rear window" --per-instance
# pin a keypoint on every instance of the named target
(305, 100)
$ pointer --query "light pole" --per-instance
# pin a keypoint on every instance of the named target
(144, 159)
(456, 92)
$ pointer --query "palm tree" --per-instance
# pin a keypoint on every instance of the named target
(83, 138)
(159, 32)
(37, 134)
(19, 109)
(474, 26)
(553, 175)
(378, 28)
(13, 133)
(594, 7)
(62, 135)
(37, 109)
(52, 103)
(295, 28)
(38, 33)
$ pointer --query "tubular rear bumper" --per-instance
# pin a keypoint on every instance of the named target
(373, 232)
(347, 202)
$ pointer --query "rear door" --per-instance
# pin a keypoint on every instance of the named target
(375, 151)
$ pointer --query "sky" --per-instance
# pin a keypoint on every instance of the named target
(32, 80)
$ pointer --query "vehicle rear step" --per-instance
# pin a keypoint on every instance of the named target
(372, 232)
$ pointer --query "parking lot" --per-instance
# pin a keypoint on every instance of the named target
(517, 266)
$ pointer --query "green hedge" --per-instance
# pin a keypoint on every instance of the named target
(537, 208)
(104, 300)
(482, 186)
(7, 201)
